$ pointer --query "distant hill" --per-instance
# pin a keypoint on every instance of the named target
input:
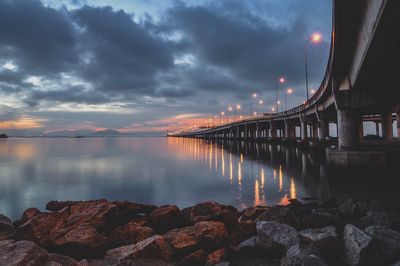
(108, 132)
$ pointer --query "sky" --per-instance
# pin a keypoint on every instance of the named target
(151, 65)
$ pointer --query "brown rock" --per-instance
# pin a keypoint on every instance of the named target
(130, 233)
(59, 205)
(251, 213)
(81, 242)
(211, 210)
(28, 214)
(134, 208)
(217, 256)
(206, 235)
(242, 231)
(165, 218)
(7, 229)
(152, 247)
(21, 253)
(197, 258)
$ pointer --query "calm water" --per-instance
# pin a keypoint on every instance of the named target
(163, 171)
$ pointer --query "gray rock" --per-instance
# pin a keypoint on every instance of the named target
(56, 259)
(358, 246)
(272, 235)
(350, 208)
(386, 242)
(377, 218)
(21, 253)
(309, 260)
(324, 239)
(397, 263)
(249, 243)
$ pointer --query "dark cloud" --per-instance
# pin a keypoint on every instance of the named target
(234, 47)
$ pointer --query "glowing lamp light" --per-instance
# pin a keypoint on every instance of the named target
(273, 109)
(282, 80)
(230, 108)
(279, 102)
(316, 37)
(222, 113)
(238, 106)
(312, 91)
(255, 113)
(254, 95)
(290, 91)
(260, 102)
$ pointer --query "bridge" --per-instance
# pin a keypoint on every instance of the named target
(361, 83)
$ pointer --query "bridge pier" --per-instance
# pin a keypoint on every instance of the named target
(398, 124)
(323, 129)
(303, 129)
(348, 129)
(387, 126)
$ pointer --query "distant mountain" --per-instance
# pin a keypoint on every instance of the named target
(69, 133)
(108, 132)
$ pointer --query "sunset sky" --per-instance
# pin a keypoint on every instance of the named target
(150, 65)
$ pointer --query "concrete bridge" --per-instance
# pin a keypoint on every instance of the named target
(361, 83)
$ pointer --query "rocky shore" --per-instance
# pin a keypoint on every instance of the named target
(100, 232)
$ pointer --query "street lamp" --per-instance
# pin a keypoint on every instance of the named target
(251, 104)
(260, 102)
(237, 108)
(281, 80)
(229, 110)
(315, 38)
(222, 114)
(288, 91)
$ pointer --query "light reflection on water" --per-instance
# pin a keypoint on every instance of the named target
(155, 170)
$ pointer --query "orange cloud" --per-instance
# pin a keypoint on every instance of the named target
(22, 123)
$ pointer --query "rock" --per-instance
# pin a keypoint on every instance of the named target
(279, 214)
(387, 243)
(152, 247)
(130, 233)
(92, 263)
(248, 244)
(298, 255)
(7, 229)
(59, 205)
(197, 258)
(126, 210)
(251, 213)
(207, 235)
(377, 218)
(349, 208)
(255, 261)
(21, 253)
(318, 219)
(57, 259)
(217, 256)
(325, 239)
(276, 236)
(165, 218)
(27, 215)
(81, 242)
(185, 214)
(211, 210)
(359, 249)
(242, 231)
(375, 206)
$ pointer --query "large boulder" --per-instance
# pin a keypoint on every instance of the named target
(207, 235)
(77, 228)
(251, 213)
(387, 243)
(377, 219)
(359, 246)
(21, 253)
(350, 208)
(152, 247)
(211, 210)
(297, 257)
(130, 233)
(27, 215)
(58, 260)
(325, 239)
(217, 256)
(80, 242)
(7, 229)
(165, 218)
(276, 236)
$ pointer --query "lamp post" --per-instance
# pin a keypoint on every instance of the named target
(281, 80)
(288, 91)
(237, 108)
(315, 38)
(251, 104)
(227, 115)
(222, 114)
(260, 102)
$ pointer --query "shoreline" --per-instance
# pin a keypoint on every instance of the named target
(101, 232)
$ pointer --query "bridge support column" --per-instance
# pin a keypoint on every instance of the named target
(377, 128)
(237, 132)
(387, 126)
(315, 130)
(246, 131)
(323, 129)
(361, 129)
(272, 131)
(348, 128)
(398, 124)
(303, 129)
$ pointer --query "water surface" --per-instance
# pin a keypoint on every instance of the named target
(160, 171)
